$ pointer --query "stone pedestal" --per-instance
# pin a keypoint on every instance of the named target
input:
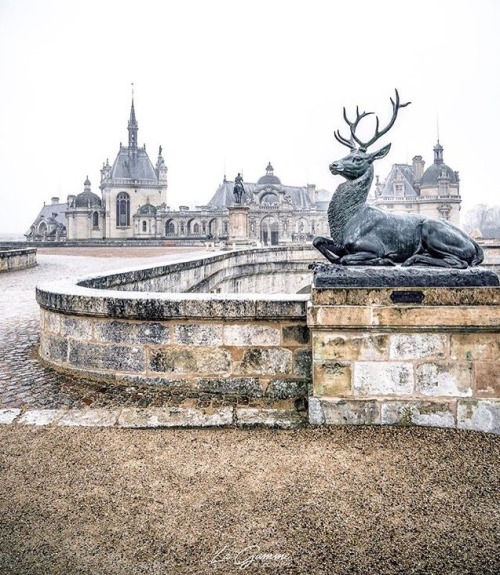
(405, 355)
(238, 227)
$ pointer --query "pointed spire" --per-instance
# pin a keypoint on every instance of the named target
(132, 126)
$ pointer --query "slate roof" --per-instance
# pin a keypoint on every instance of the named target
(299, 196)
(46, 213)
(86, 199)
(431, 175)
(130, 166)
(400, 173)
(147, 210)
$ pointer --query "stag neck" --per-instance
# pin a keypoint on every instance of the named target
(348, 199)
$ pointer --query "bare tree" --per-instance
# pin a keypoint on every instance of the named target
(484, 218)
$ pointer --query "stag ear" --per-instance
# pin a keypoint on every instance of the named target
(379, 154)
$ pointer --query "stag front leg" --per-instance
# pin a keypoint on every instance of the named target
(327, 248)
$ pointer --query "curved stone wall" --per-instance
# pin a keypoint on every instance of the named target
(17, 259)
(369, 360)
(252, 346)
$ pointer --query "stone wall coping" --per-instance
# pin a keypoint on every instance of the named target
(69, 298)
(16, 252)
(230, 258)
(95, 296)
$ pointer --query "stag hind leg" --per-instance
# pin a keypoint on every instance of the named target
(444, 245)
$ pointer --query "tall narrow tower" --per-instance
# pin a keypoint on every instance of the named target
(132, 131)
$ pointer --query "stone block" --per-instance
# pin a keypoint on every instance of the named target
(287, 388)
(383, 378)
(89, 418)
(426, 413)
(8, 415)
(276, 418)
(246, 335)
(418, 346)
(295, 335)
(53, 348)
(119, 358)
(303, 363)
(175, 417)
(351, 346)
(194, 361)
(332, 378)
(479, 415)
(267, 361)
(132, 333)
(344, 412)
(339, 316)
(434, 317)
(41, 416)
(444, 379)
(50, 322)
(475, 346)
(199, 334)
(247, 386)
(287, 308)
(487, 379)
(315, 412)
(77, 328)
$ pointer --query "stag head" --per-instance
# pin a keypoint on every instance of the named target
(359, 160)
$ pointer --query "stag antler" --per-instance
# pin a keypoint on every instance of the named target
(396, 105)
(352, 125)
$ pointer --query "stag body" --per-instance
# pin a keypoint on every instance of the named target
(365, 235)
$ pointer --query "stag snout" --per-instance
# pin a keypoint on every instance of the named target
(336, 168)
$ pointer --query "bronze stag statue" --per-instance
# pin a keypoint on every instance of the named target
(365, 235)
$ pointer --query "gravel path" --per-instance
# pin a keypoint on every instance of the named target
(329, 501)
(312, 501)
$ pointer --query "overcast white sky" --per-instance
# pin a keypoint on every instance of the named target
(232, 84)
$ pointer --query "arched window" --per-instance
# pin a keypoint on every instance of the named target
(196, 229)
(170, 228)
(144, 226)
(95, 220)
(122, 210)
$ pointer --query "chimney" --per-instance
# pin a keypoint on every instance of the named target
(418, 168)
(71, 198)
(311, 191)
(54, 200)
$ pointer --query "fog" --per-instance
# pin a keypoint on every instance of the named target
(227, 86)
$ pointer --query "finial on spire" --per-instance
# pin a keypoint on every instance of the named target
(132, 84)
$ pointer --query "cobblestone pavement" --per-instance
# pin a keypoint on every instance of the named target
(25, 383)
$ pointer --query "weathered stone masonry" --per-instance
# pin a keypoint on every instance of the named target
(17, 259)
(435, 363)
(353, 354)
